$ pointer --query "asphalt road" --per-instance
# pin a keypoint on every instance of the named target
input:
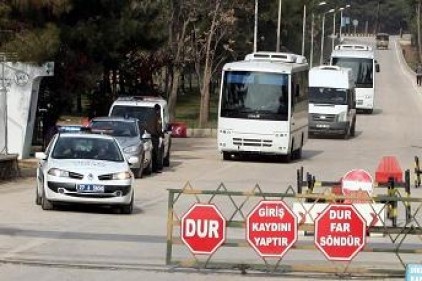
(87, 243)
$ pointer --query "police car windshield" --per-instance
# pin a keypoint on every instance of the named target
(142, 113)
(87, 148)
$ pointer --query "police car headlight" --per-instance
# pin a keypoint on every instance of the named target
(342, 117)
(121, 176)
(131, 149)
(58, 173)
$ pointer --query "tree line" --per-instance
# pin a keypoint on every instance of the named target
(106, 48)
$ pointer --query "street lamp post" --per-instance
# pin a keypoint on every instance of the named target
(321, 58)
(311, 55)
(3, 90)
(303, 30)
(333, 36)
(255, 41)
(279, 27)
(341, 19)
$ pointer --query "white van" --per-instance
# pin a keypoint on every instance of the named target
(142, 108)
(332, 101)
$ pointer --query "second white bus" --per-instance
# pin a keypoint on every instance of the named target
(361, 59)
(263, 106)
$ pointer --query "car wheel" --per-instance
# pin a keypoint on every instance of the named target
(166, 161)
(138, 172)
(353, 129)
(45, 203)
(128, 209)
(148, 169)
(38, 198)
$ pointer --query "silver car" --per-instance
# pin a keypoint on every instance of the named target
(133, 139)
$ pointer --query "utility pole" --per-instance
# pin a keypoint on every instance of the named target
(333, 36)
(279, 27)
(303, 30)
(255, 37)
(418, 22)
(377, 25)
(321, 57)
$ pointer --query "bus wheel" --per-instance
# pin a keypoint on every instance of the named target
(346, 135)
(226, 156)
(298, 153)
(289, 157)
(353, 129)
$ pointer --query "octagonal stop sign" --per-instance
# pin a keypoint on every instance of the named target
(203, 229)
(340, 232)
(271, 228)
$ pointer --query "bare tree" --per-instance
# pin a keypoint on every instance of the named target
(212, 46)
(181, 17)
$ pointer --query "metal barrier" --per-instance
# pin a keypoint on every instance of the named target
(401, 238)
(393, 191)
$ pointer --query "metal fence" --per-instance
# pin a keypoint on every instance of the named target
(392, 242)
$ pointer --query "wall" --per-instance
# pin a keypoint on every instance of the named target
(19, 104)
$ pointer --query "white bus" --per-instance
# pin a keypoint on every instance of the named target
(263, 106)
(361, 59)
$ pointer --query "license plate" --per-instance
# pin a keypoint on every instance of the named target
(90, 188)
(323, 126)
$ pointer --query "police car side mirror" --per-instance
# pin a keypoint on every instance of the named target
(377, 66)
(40, 155)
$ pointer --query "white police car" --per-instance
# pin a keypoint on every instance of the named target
(84, 168)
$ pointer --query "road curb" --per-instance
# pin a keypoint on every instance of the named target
(201, 133)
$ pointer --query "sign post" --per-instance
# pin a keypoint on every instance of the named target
(203, 229)
(271, 228)
(340, 232)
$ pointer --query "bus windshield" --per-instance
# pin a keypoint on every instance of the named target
(362, 68)
(320, 95)
(255, 95)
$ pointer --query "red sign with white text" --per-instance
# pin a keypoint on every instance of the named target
(340, 232)
(203, 229)
(271, 228)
